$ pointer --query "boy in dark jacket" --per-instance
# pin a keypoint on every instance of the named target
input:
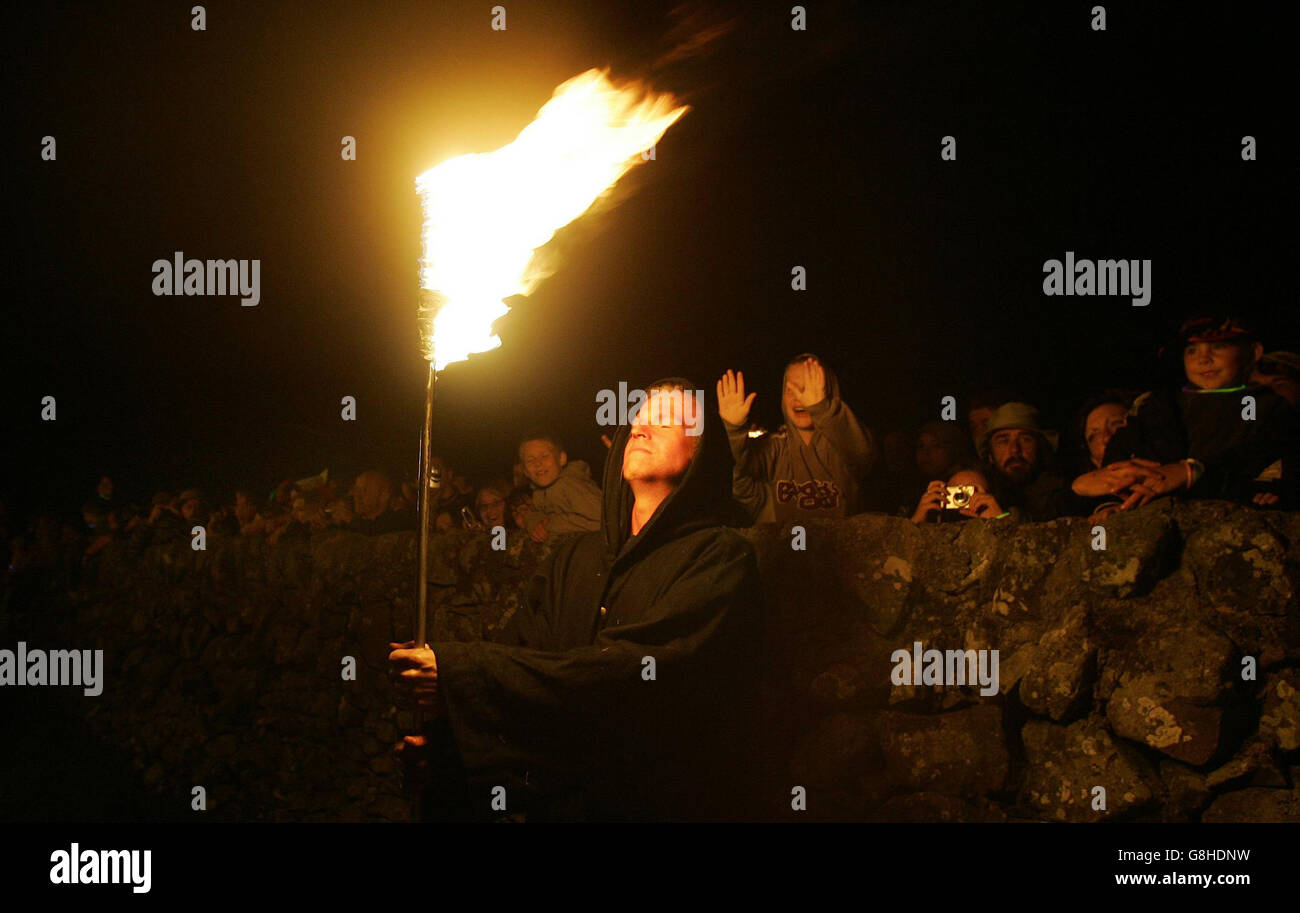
(564, 496)
(1215, 437)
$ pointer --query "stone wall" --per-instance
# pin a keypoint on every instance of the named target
(1119, 668)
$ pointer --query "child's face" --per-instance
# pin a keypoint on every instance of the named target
(491, 508)
(542, 462)
(1212, 365)
(793, 410)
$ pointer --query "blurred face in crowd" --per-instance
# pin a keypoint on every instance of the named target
(245, 510)
(793, 410)
(190, 508)
(309, 511)
(658, 447)
(542, 462)
(446, 489)
(1014, 451)
(370, 495)
(491, 507)
(932, 457)
(897, 448)
(1213, 365)
(105, 488)
(979, 422)
(520, 514)
(1100, 427)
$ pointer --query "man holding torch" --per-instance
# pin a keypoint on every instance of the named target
(626, 691)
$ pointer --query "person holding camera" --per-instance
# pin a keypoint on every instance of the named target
(965, 496)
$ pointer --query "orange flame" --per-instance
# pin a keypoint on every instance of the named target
(487, 214)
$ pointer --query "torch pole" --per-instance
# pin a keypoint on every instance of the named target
(427, 485)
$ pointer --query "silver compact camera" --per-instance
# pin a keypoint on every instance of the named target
(957, 497)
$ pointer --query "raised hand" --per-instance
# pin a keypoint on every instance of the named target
(811, 383)
(733, 404)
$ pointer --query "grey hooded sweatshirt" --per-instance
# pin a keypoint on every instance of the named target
(571, 503)
(779, 478)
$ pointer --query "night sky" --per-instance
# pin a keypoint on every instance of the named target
(818, 148)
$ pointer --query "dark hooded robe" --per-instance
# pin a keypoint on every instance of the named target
(563, 711)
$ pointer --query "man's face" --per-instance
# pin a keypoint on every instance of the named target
(1212, 365)
(491, 508)
(794, 412)
(659, 452)
(190, 508)
(105, 487)
(542, 462)
(1015, 453)
(1100, 427)
(979, 422)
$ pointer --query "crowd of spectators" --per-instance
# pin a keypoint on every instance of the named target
(546, 495)
(1227, 428)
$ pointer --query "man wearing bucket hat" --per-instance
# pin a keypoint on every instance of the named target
(1019, 452)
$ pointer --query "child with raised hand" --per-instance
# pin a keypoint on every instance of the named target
(814, 465)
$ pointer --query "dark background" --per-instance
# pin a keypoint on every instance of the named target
(817, 148)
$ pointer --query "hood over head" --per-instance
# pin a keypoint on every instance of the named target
(702, 499)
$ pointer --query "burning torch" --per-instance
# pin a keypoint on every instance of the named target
(486, 216)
